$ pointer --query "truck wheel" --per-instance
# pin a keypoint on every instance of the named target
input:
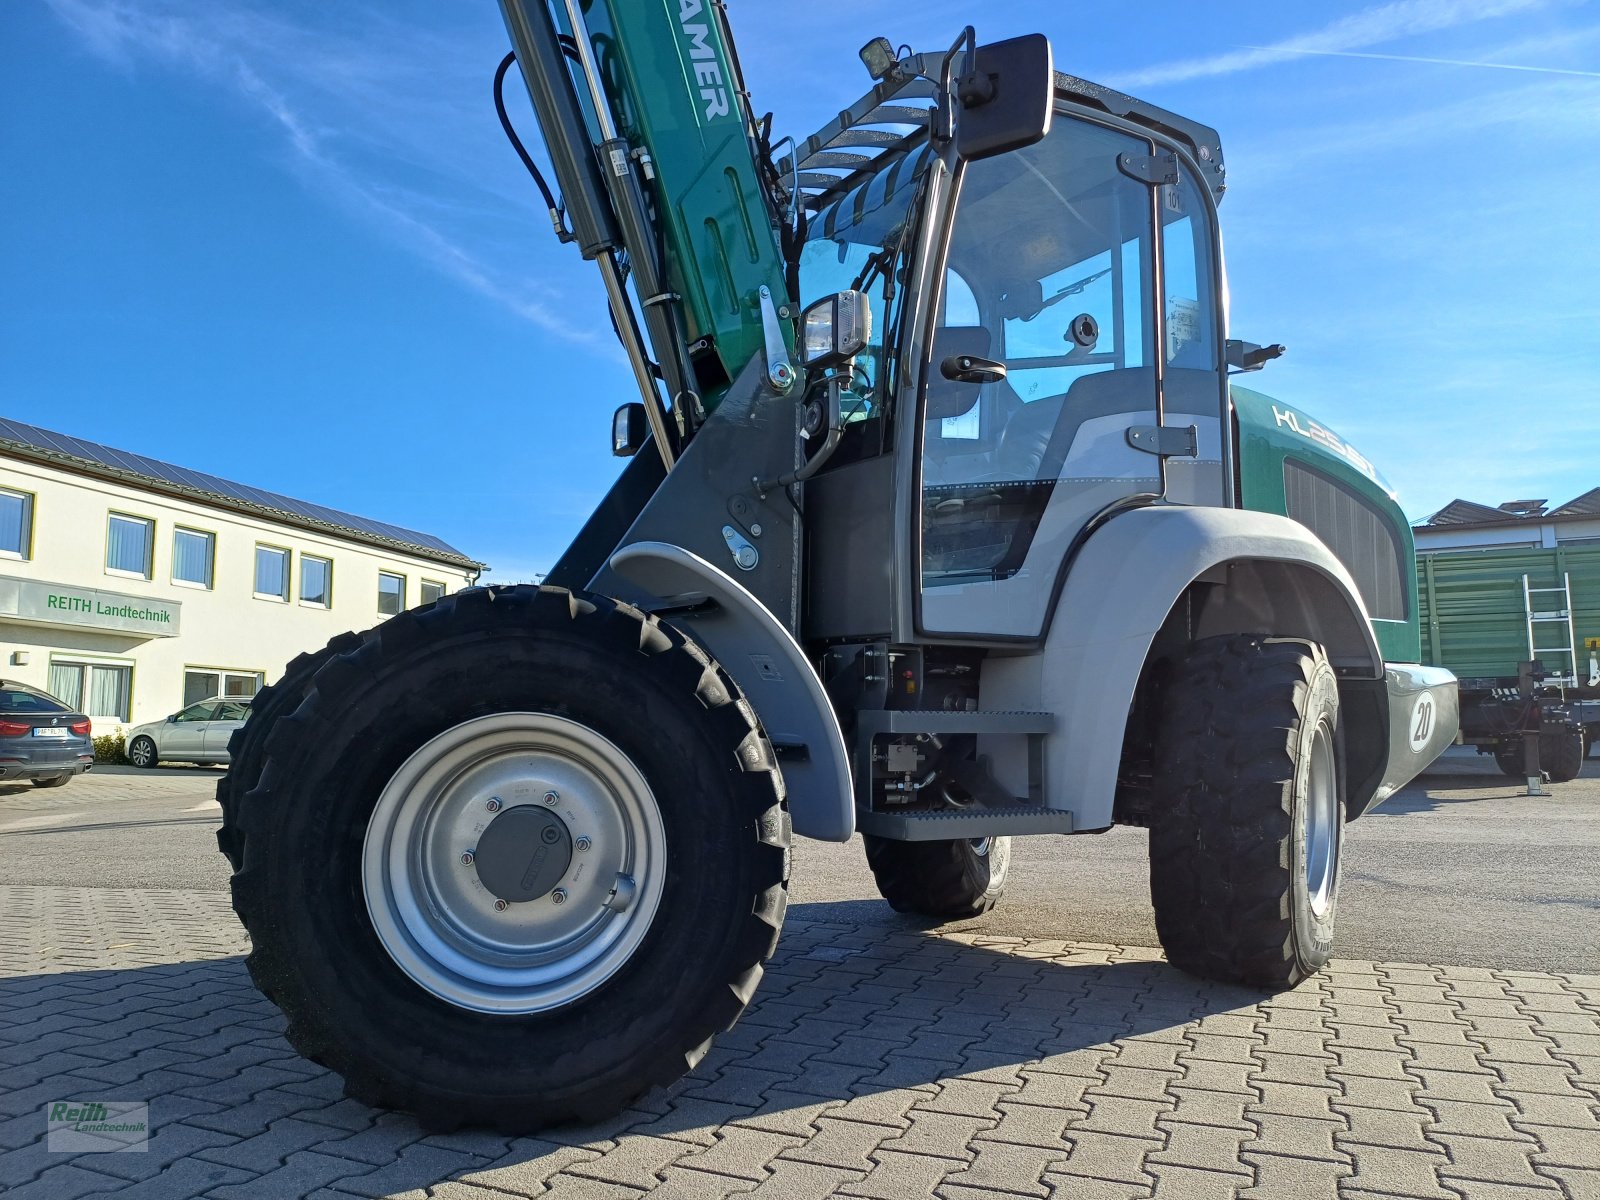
(951, 880)
(1561, 754)
(246, 746)
(513, 859)
(1508, 757)
(1247, 818)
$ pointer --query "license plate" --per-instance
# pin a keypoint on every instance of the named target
(52, 732)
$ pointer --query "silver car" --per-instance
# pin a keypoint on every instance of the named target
(197, 734)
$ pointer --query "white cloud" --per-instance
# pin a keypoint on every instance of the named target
(1369, 27)
(1447, 62)
(371, 121)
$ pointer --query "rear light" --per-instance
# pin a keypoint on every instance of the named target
(81, 728)
(14, 729)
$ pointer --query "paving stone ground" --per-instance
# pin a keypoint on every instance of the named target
(874, 1063)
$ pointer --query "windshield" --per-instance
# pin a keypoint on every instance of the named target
(859, 241)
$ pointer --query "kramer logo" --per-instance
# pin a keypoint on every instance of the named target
(1309, 429)
(707, 69)
(95, 1126)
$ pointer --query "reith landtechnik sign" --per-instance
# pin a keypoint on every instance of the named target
(41, 603)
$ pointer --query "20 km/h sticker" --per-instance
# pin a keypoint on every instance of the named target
(1422, 718)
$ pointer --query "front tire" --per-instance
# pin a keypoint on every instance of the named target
(947, 880)
(1247, 826)
(142, 753)
(399, 960)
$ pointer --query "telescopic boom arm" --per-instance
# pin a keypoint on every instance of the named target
(659, 163)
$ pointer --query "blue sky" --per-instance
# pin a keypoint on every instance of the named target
(284, 241)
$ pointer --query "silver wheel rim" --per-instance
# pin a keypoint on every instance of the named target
(1322, 823)
(980, 846)
(141, 753)
(440, 923)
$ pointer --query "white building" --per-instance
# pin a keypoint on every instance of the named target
(1516, 525)
(130, 587)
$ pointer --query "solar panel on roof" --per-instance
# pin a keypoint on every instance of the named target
(155, 469)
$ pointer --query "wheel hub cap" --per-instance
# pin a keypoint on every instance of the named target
(524, 853)
(514, 863)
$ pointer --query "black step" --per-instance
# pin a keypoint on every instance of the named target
(947, 824)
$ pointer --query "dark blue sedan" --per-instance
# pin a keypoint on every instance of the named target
(41, 738)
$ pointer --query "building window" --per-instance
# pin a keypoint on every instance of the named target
(272, 573)
(316, 581)
(16, 524)
(1361, 537)
(100, 690)
(202, 683)
(129, 541)
(391, 593)
(193, 556)
(432, 590)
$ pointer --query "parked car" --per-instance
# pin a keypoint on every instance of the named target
(196, 734)
(41, 738)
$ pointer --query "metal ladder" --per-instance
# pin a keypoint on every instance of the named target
(1562, 616)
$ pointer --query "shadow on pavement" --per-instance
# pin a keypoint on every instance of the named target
(845, 1014)
(195, 771)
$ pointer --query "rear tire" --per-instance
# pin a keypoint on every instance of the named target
(390, 957)
(1247, 820)
(247, 744)
(950, 880)
(1561, 754)
(142, 753)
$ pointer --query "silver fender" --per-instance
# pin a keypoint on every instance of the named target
(751, 645)
(1118, 593)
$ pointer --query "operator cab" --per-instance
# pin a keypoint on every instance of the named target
(1079, 280)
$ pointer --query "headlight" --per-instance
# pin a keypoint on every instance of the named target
(835, 329)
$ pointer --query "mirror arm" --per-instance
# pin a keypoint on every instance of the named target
(946, 124)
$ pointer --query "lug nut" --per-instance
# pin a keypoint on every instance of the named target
(466, 858)
(559, 896)
(551, 798)
(500, 906)
(494, 804)
(582, 844)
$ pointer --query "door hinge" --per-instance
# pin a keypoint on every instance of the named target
(1168, 441)
(1154, 169)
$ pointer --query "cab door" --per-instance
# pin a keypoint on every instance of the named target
(1051, 272)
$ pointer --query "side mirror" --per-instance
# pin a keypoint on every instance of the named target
(172, 718)
(1247, 356)
(1007, 97)
(629, 429)
(835, 329)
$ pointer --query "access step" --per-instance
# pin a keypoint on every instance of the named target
(946, 825)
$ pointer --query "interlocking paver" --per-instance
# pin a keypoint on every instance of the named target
(1006, 1167)
(875, 1063)
(1280, 1178)
(898, 1176)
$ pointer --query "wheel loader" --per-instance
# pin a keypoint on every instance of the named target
(943, 523)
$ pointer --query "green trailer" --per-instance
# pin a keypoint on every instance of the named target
(1485, 612)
